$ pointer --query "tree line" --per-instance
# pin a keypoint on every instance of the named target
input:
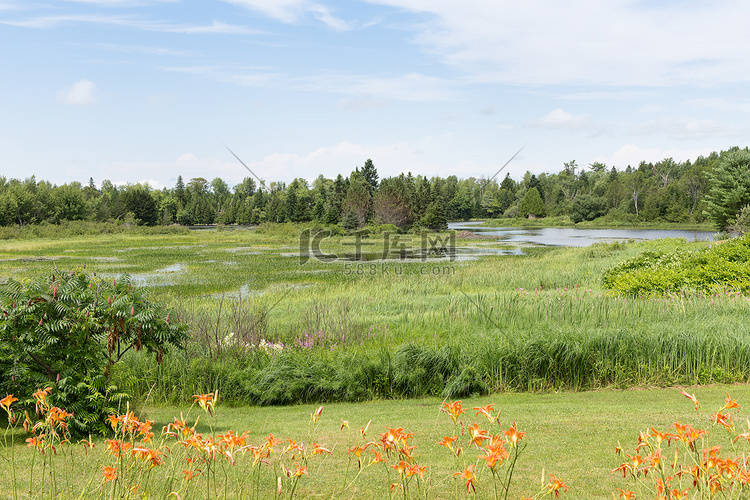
(665, 191)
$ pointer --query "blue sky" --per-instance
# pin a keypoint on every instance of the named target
(146, 90)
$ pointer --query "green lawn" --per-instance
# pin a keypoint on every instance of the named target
(571, 435)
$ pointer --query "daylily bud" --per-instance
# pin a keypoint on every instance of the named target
(132, 310)
(167, 318)
(113, 282)
(40, 321)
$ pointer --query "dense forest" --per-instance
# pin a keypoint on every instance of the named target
(666, 191)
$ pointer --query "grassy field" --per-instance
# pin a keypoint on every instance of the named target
(570, 435)
(270, 328)
(354, 330)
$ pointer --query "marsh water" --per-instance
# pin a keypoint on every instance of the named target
(574, 237)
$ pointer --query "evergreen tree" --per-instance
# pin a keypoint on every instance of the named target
(729, 188)
(370, 175)
(434, 218)
(532, 204)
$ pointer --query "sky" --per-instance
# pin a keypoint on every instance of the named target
(147, 90)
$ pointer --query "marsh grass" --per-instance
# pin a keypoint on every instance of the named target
(267, 329)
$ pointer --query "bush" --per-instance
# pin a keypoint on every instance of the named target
(719, 268)
(68, 329)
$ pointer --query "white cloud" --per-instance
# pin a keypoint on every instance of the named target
(292, 11)
(683, 128)
(633, 155)
(188, 165)
(412, 87)
(121, 3)
(559, 119)
(80, 94)
(286, 11)
(46, 22)
(616, 43)
(427, 157)
(324, 15)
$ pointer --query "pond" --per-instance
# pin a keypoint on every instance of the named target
(573, 237)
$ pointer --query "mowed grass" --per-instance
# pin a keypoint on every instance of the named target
(570, 435)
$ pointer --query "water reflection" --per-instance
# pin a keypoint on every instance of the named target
(574, 237)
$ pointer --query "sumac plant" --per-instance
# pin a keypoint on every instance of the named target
(68, 329)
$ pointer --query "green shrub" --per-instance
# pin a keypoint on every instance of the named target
(720, 268)
(68, 329)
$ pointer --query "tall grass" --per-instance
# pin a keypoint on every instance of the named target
(268, 330)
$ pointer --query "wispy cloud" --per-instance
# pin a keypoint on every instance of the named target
(579, 42)
(412, 87)
(293, 11)
(633, 155)
(559, 119)
(81, 93)
(121, 3)
(681, 127)
(144, 49)
(46, 22)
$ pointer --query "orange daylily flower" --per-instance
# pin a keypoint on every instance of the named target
(117, 447)
(149, 455)
(36, 442)
(626, 495)
(723, 419)
(316, 416)
(416, 470)
(205, 401)
(7, 401)
(41, 398)
(655, 458)
(378, 457)
(87, 443)
(271, 441)
(730, 403)
(661, 436)
(448, 442)
(400, 467)
(301, 470)
(495, 456)
(357, 450)
(293, 447)
(453, 410)
(109, 473)
(113, 421)
(393, 437)
(230, 440)
(344, 423)
(190, 474)
(555, 486)
(364, 429)
(470, 478)
(514, 436)
(692, 398)
(317, 449)
(406, 452)
(478, 436)
(487, 410)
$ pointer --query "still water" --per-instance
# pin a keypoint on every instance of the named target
(572, 237)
